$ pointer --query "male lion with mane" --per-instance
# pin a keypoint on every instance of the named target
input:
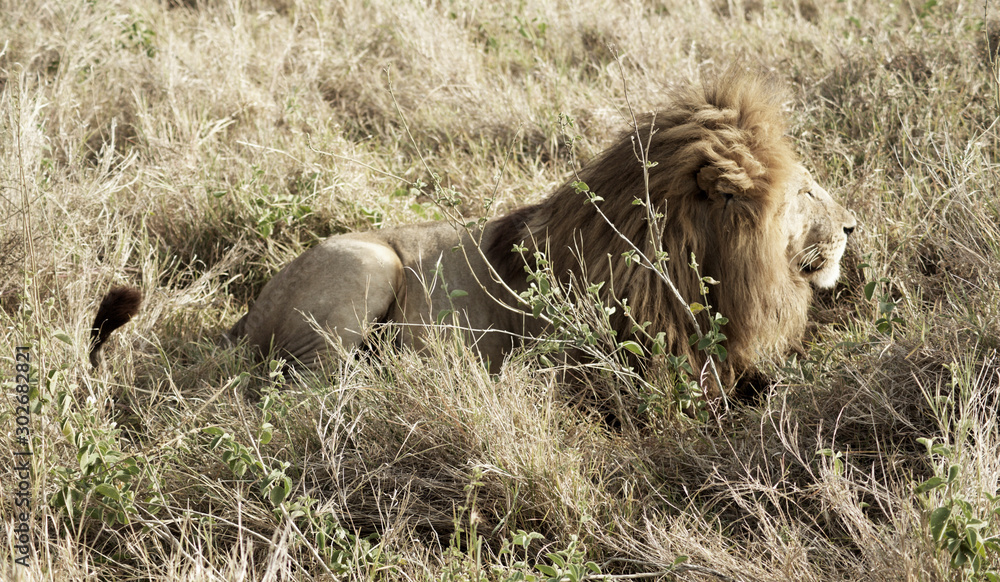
(721, 172)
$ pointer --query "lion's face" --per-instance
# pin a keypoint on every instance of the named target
(817, 230)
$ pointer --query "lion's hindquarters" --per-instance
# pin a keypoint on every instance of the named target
(338, 288)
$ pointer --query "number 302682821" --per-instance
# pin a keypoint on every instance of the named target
(22, 379)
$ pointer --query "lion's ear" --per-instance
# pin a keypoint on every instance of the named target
(726, 178)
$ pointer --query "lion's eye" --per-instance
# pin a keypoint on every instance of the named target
(810, 193)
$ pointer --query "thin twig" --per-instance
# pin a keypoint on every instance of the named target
(659, 268)
(339, 157)
(674, 569)
(458, 220)
(16, 114)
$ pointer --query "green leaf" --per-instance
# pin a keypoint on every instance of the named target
(941, 449)
(953, 472)
(546, 570)
(277, 495)
(697, 307)
(87, 459)
(443, 314)
(266, 434)
(265, 229)
(959, 557)
(108, 491)
(939, 519)
(930, 484)
(61, 336)
(633, 347)
(523, 538)
(972, 535)
(457, 293)
(213, 430)
(870, 290)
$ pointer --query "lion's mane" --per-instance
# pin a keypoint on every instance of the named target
(720, 162)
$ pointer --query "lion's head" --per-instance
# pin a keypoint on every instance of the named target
(730, 191)
(817, 230)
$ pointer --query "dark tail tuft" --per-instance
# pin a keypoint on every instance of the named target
(117, 308)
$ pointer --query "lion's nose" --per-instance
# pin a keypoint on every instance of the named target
(850, 224)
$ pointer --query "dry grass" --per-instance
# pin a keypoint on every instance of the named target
(193, 147)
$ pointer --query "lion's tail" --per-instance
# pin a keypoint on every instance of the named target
(117, 308)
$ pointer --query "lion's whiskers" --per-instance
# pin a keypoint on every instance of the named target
(807, 256)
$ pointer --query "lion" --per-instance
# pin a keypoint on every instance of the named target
(723, 183)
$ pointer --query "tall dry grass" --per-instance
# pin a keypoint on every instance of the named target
(192, 147)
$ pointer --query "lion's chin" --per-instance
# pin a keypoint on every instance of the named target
(825, 277)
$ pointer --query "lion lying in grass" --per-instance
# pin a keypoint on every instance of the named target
(725, 185)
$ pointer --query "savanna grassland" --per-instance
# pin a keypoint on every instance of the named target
(191, 148)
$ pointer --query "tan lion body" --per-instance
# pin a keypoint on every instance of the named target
(730, 191)
(404, 275)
